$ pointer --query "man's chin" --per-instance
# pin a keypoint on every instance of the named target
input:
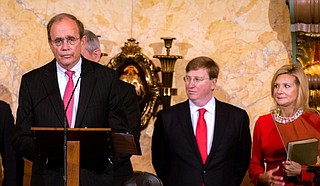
(192, 97)
(66, 62)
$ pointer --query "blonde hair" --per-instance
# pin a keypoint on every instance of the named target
(301, 81)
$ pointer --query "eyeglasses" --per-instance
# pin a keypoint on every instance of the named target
(196, 80)
(70, 40)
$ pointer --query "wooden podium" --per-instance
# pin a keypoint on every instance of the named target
(82, 143)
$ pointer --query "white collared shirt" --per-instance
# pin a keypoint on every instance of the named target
(62, 81)
(209, 116)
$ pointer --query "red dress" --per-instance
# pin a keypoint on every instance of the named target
(268, 148)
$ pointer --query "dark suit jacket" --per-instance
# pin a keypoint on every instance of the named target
(123, 167)
(40, 105)
(13, 167)
(175, 155)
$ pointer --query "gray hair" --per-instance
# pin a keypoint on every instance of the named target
(93, 42)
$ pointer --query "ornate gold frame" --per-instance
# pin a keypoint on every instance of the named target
(135, 68)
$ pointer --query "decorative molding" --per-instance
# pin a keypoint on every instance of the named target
(305, 29)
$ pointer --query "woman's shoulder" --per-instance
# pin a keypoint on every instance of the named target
(265, 117)
(265, 120)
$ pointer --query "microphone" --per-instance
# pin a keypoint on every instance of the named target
(65, 131)
(24, 114)
(72, 93)
(74, 89)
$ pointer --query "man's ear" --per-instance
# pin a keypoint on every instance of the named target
(84, 40)
(96, 54)
(214, 84)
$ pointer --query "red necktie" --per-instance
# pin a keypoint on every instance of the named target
(67, 96)
(201, 135)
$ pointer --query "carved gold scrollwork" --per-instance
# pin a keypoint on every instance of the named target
(135, 68)
(308, 56)
(305, 24)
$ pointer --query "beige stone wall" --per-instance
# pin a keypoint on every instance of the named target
(249, 39)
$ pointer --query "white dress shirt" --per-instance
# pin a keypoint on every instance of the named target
(62, 81)
(209, 116)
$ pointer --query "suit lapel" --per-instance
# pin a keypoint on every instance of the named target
(88, 81)
(188, 129)
(50, 83)
(219, 128)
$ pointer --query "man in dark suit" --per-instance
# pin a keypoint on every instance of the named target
(12, 163)
(176, 154)
(123, 167)
(96, 103)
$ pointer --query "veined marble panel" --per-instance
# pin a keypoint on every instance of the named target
(249, 39)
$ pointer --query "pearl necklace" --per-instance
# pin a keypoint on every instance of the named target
(283, 120)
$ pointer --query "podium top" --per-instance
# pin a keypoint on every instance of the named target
(49, 140)
(69, 129)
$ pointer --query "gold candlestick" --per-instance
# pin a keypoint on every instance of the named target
(167, 68)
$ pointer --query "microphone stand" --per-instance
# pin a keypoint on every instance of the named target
(65, 131)
(65, 148)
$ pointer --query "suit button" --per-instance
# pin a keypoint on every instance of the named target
(204, 171)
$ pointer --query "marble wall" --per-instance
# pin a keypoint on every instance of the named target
(249, 39)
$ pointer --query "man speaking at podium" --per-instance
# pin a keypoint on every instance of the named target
(68, 91)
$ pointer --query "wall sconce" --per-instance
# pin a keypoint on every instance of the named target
(167, 68)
